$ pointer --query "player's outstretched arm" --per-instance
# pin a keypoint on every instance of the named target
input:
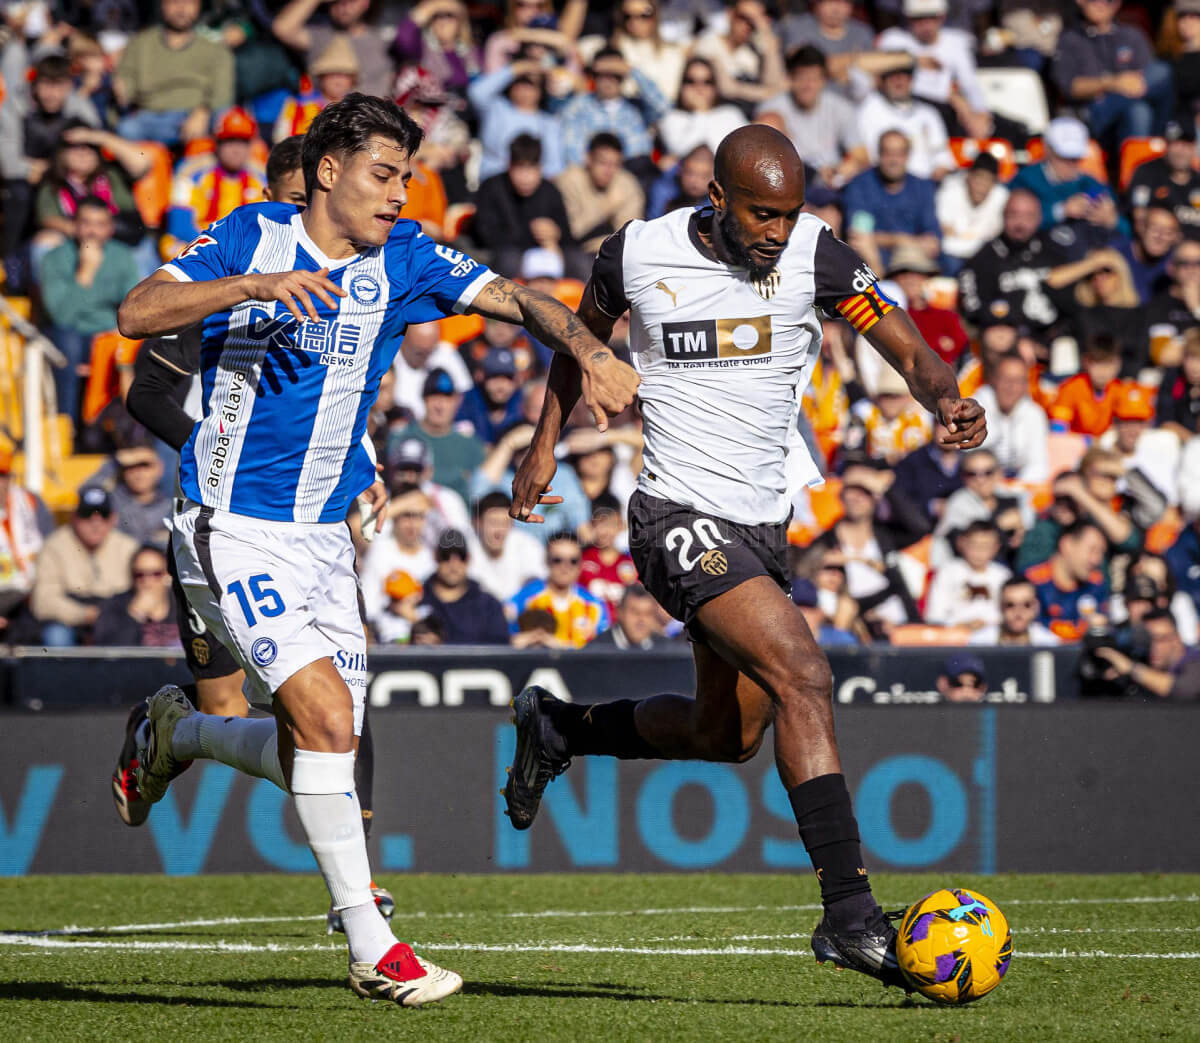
(930, 379)
(162, 304)
(607, 384)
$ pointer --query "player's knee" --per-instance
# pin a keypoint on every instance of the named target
(809, 680)
(327, 728)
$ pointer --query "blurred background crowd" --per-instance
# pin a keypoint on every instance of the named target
(1022, 174)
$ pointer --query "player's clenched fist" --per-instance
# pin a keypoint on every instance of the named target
(608, 385)
(295, 291)
(965, 420)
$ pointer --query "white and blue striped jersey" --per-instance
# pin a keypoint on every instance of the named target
(285, 403)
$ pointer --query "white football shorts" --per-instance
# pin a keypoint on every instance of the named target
(279, 595)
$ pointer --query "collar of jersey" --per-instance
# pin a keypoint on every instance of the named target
(703, 211)
(317, 254)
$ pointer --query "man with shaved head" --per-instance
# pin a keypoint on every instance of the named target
(725, 307)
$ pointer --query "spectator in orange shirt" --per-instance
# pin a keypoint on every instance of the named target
(1084, 403)
(890, 424)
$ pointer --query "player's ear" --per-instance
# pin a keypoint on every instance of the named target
(328, 169)
(716, 194)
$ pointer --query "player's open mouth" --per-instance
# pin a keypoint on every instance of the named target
(768, 253)
(387, 220)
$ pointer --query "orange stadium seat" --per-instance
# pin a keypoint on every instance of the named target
(458, 329)
(109, 350)
(965, 150)
(1135, 152)
(152, 191)
(924, 635)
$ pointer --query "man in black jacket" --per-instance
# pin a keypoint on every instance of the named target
(468, 615)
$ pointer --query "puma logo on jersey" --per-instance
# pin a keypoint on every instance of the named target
(660, 285)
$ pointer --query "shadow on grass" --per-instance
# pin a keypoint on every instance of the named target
(631, 993)
(61, 992)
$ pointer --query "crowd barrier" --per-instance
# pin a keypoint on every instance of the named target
(1021, 784)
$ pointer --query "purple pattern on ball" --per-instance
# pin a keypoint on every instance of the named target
(946, 963)
(920, 930)
(964, 899)
(1001, 967)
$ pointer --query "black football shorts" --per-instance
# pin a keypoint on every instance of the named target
(206, 657)
(685, 558)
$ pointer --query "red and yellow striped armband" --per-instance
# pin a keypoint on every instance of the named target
(863, 310)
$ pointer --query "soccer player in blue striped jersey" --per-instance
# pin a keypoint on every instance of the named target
(302, 315)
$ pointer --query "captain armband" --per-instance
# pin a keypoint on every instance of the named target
(863, 310)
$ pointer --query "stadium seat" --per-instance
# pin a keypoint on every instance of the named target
(965, 150)
(1135, 152)
(152, 191)
(1017, 94)
(458, 329)
(458, 220)
(108, 351)
(920, 635)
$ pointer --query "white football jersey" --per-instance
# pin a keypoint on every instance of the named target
(724, 359)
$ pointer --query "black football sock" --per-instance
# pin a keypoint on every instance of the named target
(607, 729)
(830, 835)
(364, 775)
(192, 693)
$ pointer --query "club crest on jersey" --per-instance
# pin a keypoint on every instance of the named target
(197, 244)
(720, 342)
(264, 651)
(364, 289)
(768, 285)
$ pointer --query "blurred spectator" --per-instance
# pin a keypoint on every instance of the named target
(746, 57)
(578, 615)
(839, 611)
(1084, 402)
(1018, 625)
(683, 186)
(966, 590)
(171, 81)
(635, 623)
(83, 281)
(285, 174)
(1177, 309)
(1187, 61)
(834, 384)
(639, 39)
(348, 18)
(537, 628)
(1150, 250)
(519, 209)
(970, 207)
(603, 461)
(979, 499)
(600, 196)
(402, 609)
(209, 187)
(607, 569)
(910, 267)
(962, 679)
(820, 122)
(421, 353)
(1070, 586)
(1005, 279)
(503, 556)
(467, 613)
(93, 73)
(700, 116)
(1065, 192)
(1017, 426)
(141, 507)
(24, 524)
(509, 103)
(945, 73)
(1149, 459)
(878, 521)
(30, 129)
(1105, 306)
(890, 423)
(828, 26)
(1150, 584)
(931, 474)
(446, 145)
(807, 597)
(1173, 670)
(531, 20)
(612, 107)
(1108, 68)
(79, 171)
(888, 206)
(893, 107)
(493, 404)
(436, 37)
(80, 565)
(333, 74)
(1170, 181)
(456, 454)
(1178, 403)
(407, 549)
(144, 616)
(409, 462)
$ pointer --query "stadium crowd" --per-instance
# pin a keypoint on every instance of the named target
(1023, 174)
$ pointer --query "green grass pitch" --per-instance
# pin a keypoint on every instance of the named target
(595, 958)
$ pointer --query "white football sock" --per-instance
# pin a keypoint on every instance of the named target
(250, 744)
(327, 804)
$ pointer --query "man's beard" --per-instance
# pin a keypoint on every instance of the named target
(733, 235)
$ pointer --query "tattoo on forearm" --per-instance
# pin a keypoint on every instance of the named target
(600, 356)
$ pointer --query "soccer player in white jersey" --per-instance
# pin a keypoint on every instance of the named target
(724, 332)
(303, 313)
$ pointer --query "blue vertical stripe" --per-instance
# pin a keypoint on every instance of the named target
(985, 782)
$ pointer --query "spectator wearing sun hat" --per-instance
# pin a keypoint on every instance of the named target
(333, 74)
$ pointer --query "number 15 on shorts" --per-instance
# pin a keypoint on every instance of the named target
(257, 595)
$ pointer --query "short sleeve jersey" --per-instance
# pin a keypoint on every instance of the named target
(724, 359)
(285, 403)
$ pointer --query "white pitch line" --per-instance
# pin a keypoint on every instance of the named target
(61, 945)
(402, 915)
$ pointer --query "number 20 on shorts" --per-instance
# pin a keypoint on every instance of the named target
(261, 596)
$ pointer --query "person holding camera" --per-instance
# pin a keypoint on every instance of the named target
(1171, 670)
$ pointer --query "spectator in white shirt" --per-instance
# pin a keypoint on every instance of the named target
(699, 117)
(893, 107)
(970, 208)
(421, 352)
(1017, 425)
(1018, 618)
(502, 558)
(966, 590)
(409, 462)
(405, 549)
